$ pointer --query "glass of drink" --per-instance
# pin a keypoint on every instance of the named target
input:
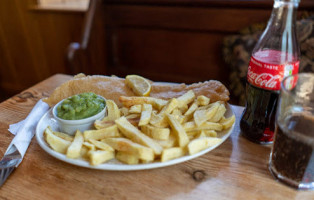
(292, 156)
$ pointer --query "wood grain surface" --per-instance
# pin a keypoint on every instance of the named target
(33, 43)
(235, 170)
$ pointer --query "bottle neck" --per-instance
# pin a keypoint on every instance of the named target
(288, 1)
(280, 33)
(284, 14)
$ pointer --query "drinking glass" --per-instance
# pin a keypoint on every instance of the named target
(292, 156)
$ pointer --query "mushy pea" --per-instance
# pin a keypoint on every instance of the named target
(80, 106)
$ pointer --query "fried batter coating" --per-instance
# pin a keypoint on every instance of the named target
(114, 87)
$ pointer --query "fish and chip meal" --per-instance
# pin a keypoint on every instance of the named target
(146, 121)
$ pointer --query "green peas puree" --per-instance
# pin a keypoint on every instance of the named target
(80, 106)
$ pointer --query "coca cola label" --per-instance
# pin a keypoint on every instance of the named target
(269, 76)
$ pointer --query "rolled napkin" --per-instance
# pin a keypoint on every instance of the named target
(25, 129)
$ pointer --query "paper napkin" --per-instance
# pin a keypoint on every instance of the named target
(25, 129)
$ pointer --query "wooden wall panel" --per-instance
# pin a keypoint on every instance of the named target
(166, 55)
(184, 18)
(33, 44)
(178, 40)
(178, 44)
(59, 30)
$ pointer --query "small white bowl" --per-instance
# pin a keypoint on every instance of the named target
(71, 126)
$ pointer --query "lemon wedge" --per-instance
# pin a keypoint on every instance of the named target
(139, 85)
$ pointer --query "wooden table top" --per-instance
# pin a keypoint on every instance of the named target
(235, 170)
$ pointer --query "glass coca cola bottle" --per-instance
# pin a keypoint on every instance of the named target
(275, 56)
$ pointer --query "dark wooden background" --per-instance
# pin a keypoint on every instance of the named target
(166, 40)
(33, 43)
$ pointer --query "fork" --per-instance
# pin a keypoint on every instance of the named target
(11, 159)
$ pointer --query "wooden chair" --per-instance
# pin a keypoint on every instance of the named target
(89, 55)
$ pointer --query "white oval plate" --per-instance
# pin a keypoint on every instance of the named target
(48, 120)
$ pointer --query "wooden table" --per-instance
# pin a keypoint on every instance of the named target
(235, 170)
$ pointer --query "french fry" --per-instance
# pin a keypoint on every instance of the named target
(200, 134)
(205, 126)
(130, 101)
(176, 112)
(133, 116)
(201, 116)
(134, 119)
(200, 144)
(146, 114)
(206, 133)
(99, 156)
(172, 153)
(178, 130)
(186, 98)
(136, 135)
(204, 107)
(183, 108)
(178, 115)
(89, 146)
(223, 119)
(56, 143)
(210, 105)
(171, 105)
(189, 126)
(155, 132)
(124, 111)
(127, 157)
(210, 133)
(181, 119)
(191, 109)
(219, 114)
(103, 124)
(202, 100)
(227, 123)
(113, 112)
(167, 143)
(84, 152)
(63, 135)
(135, 109)
(158, 120)
(74, 150)
(193, 134)
(101, 145)
(126, 145)
(99, 134)
(86, 147)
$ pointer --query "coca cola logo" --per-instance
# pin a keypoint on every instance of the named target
(268, 76)
(264, 80)
(267, 80)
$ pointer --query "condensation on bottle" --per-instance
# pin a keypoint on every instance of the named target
(275, 56)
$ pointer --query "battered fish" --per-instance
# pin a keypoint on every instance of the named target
(114, 87)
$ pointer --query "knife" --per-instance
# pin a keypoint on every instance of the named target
(11, 159)
(17, 148)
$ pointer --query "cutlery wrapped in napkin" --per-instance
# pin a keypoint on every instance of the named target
(25, 129)
(24, 132)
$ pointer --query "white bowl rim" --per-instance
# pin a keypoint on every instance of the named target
(77, 121)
